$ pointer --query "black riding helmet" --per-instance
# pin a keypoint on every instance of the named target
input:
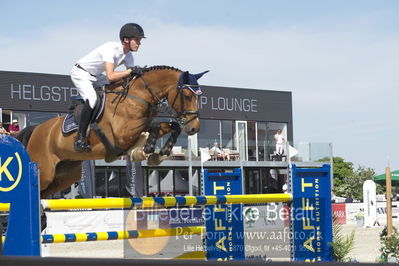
(131, 30)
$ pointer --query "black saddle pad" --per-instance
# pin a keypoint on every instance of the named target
(69, 125)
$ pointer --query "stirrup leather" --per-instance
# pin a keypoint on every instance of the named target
(82, 144)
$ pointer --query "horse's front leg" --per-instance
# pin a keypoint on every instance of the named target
(158, 130)
(149, 147)
(174, 129)
(165, 128)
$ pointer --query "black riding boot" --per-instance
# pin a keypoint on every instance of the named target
(81, 141)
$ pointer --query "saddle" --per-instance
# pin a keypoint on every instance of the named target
(71, 120)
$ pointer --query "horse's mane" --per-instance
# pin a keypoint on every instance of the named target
(118, 83)
(151, 68)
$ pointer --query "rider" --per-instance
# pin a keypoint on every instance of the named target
(87, 73)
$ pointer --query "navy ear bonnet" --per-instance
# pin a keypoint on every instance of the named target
(189, 81)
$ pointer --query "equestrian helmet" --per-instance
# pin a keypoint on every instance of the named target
(131, 30)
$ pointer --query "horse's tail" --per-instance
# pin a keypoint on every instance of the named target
(24, 135)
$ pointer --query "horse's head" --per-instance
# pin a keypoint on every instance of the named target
(179, 88)
(184, 100)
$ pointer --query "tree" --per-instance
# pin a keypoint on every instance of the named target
(341, 168)
(341, 171)
(353, 184)
(348, 181)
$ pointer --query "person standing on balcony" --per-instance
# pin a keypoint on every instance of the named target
(280, 142)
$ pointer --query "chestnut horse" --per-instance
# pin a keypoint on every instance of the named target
(128, 121)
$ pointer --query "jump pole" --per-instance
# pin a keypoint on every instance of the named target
(151, 202)
(119, 235)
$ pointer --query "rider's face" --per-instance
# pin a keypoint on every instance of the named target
(134, 43)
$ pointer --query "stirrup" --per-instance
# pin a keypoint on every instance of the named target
(81, 144)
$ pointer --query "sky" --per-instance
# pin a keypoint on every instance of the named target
(339, 58)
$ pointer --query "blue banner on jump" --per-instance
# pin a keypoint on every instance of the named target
(311, 215)
(224, 223)
(19, 187)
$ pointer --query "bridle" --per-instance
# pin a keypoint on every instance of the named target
(182, 115)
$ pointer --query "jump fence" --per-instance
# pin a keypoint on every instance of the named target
(311, 190)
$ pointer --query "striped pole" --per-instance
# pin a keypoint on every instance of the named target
(150, 202)
(119, 235)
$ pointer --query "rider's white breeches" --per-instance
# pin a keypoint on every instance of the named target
(85, 84)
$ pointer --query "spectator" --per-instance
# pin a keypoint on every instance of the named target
(280, 141)
(219, 153)
(13, 128)
(349, 199)
(3, 130)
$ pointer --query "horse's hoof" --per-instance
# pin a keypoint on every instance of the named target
(154, 159)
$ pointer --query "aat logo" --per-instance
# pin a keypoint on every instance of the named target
(10, 172)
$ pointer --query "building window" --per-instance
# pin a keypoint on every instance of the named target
(273, 179)
(181, 182)
(36, 118)
(33, 118)
(262, 141)
(114, 184)
(182, 140)
(160, 183)
(209, 133)
(196, 182)
(241, 138)
(252, 151)
(228, 128)
(108, 181)
(101, 184)
(252, 182)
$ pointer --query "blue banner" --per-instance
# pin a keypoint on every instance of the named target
(19, 186)
(311, 215)
(224, 223)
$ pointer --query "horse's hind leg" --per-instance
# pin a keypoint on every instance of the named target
(66, 174)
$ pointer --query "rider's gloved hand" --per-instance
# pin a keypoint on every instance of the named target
(138, 70)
